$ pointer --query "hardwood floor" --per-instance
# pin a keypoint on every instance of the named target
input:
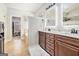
(17, 47)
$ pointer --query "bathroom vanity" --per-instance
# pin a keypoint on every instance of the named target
(53, 40)
(57, 44)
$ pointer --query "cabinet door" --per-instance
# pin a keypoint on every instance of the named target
(63, 49)
(42, 39)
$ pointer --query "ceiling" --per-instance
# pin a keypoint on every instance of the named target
(28, 7)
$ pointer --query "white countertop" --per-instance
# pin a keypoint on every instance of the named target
(63, 33)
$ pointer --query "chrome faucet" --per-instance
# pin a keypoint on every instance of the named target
(74, 31)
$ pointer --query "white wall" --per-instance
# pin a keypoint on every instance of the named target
(34, 25)
(19, 13)
(3, 18)
(3, 11)
(25, 25)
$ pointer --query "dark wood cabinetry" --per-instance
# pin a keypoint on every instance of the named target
(59, 45)
(42, 39)
(66, 46)
(50, 43)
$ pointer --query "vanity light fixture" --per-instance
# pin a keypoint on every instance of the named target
(50, 6)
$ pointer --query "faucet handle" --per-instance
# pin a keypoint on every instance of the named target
(73, 30)
(76, 31)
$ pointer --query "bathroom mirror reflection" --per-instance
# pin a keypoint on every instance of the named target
(70, 13)
(50, 16)
(16, 26)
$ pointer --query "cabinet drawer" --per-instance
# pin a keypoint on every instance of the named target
(50, 51)
(52, 36)
(50, 40)
(49, 35)
(50, 46)
(68, 40)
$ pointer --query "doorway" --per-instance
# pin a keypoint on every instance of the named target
(16, 27)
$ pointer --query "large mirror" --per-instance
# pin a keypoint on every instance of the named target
(51, 15)
(70, 13)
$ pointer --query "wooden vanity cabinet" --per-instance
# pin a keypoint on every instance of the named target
(50, 43)
(59, 45)
(42, 39)
(66, 46)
